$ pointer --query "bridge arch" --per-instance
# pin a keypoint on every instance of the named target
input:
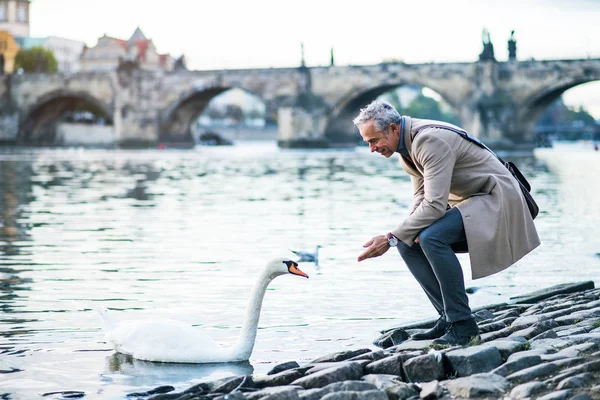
(339, 127)
(38, 124)
(533, 107)
(177, 118)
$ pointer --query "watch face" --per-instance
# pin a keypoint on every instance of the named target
(393, 241)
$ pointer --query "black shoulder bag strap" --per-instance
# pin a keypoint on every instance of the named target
(512, 168)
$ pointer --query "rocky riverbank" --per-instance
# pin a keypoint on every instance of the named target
(544, 345)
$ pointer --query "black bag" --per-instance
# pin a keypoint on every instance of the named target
(512, 168)
(525, 187)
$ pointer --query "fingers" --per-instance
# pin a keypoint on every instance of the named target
(366, 254)
(369, 243)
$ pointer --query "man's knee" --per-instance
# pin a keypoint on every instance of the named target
(429, 238)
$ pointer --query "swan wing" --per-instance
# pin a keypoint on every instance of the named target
(165, 341)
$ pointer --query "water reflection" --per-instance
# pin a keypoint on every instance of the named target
(15, 186)
(146, 373)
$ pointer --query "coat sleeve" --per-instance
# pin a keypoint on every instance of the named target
(418, 191)
(416, 180)
(437, 159)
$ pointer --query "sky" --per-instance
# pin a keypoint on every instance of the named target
(226, 34)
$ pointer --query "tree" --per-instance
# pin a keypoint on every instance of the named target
(420, 106)
(234, 112)
(559, 113)
(37, 59)
(429, 108)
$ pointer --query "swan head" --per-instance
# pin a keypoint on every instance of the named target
(282, 266)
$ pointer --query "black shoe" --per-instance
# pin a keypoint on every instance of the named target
(459, 333)
(437, 331)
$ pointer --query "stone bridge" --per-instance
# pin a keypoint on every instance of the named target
(496, 101)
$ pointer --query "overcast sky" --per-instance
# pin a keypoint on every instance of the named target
(220, 34)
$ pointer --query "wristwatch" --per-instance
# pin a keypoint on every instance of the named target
(392, 240)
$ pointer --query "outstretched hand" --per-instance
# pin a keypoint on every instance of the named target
(375, 247)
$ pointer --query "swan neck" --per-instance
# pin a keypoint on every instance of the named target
(245, 344)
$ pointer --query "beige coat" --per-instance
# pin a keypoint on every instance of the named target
(452, 170)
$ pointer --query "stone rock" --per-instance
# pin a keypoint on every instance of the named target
(473, 360)
(229, 385)
(326, 365)
(557, 344)
(526, 322)
(230, 396)
(491, 327)
(424, 368)
(559, 395)
(340, 356)
(483, 315)
(569, 352)
(402, 391)
(549, 334)
(372, 356)
(486, 337)
(279, 379)
(390, 365)
(533, 373)
(283, 367)
(575, 381)
(547, 293)
(221, 384)
(574, 331)
(535, 329)
(505, 314)
(507, 347)
(518, 364)
(391, 338)
(413, 345)
(348, 386)
(431, 390)
(527, 353)
(348, 395)
(157, 390)
(281, 392)
(581, 396)
(568, 362)
(382, 381)
(527, 390)
(478, 385)
(349, 371)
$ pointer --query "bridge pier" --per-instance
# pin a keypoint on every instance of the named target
(300, 128)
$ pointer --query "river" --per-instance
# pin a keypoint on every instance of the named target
(182, 233)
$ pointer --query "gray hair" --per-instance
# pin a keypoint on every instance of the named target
(382, 112)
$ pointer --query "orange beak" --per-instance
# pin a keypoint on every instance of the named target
(296, 271)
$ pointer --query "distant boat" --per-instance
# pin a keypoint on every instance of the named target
(211, 138)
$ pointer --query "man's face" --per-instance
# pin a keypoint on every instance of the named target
(380, 142)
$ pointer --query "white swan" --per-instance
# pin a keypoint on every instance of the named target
(174, 341)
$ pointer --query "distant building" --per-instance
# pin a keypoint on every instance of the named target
(8, 51)
(110, 52)
(66, 51)
(14, 17)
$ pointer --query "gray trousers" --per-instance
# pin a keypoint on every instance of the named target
(435, 266)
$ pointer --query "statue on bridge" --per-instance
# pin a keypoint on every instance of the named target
(488, 48)
(512, 47)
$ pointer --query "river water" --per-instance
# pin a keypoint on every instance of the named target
(182, 234)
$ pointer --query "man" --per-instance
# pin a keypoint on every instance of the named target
(463, 196)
